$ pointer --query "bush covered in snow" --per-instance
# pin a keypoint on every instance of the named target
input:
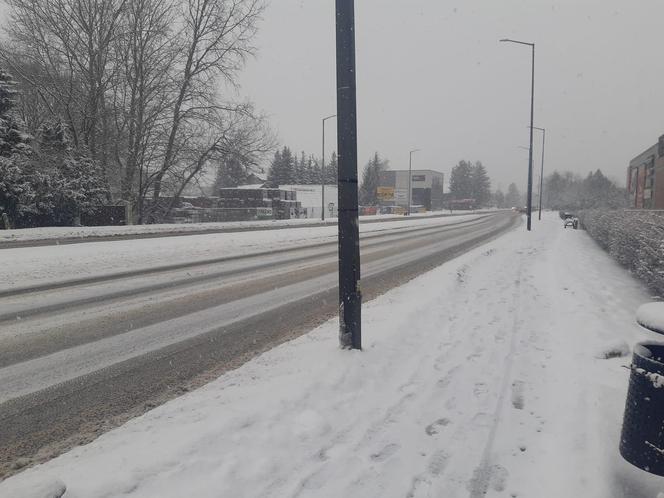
(44, 179)
(634, 238)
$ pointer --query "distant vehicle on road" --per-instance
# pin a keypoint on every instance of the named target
(392, 210)
(571, 221)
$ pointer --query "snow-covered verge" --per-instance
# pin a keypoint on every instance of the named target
(634, 238)
(484, 377)
(59, 233)
(26, 266)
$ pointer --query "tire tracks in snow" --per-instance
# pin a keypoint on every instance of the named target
(487, 473)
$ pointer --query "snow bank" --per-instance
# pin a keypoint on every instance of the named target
(38, 487)
(485, 385)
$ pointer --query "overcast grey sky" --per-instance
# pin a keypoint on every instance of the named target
(431, 74)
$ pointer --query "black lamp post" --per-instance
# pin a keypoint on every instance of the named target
(350, 297)
(532, 113)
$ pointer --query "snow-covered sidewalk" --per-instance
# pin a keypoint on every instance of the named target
(485, 377)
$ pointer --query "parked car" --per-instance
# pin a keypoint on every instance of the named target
(571, 221)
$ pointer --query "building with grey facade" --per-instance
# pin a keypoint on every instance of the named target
(427, 188)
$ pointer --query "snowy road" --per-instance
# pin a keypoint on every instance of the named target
(487, 376)
(84, 349)
(43, 236)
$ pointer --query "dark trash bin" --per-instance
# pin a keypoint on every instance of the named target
(642, 439)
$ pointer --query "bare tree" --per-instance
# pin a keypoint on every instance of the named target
(70, 41)
(142, 94)
(139, 84)
(236, 132)
(215, 42)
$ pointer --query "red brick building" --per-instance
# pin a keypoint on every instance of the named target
(645, 178)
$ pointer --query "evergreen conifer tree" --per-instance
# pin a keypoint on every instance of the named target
(314, 171)
(499, 199)
(481, 184)
(300, 170)
(15, 186)
(282, 169)
(274, 174)
(370, 180)
(461, 186)
(332, 170)
(513, 196)
(230, 172)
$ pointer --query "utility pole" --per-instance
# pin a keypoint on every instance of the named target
(529, 207)
(442, 193)
(350, 297)
(410, 178)
(322, 171)
(541, 186)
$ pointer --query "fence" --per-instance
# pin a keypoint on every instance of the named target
(633, 238)
(207, 215)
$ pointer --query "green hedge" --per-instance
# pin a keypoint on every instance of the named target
(633, 238)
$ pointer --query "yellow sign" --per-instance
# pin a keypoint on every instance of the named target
(385, 193)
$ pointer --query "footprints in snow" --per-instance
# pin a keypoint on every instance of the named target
(487, 477)
(474, 356)
(435, 468)
(517, 394)
(437, 463)
(434, 427)
(391, 448)
(480, 389)
(482, 419)
(385, 453)
(445, 380)
(461, 274)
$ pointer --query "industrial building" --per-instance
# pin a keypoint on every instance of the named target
(645, 178)
(262, 202)
(427, 188)
(311, 199)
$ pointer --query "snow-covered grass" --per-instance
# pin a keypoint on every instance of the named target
(480, 378)
(25, 266)
(56, 233)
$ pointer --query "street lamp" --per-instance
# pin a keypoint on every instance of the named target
(410, 177)
(541, 187)
(350, 294)
(322, 171)
(532, 114)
